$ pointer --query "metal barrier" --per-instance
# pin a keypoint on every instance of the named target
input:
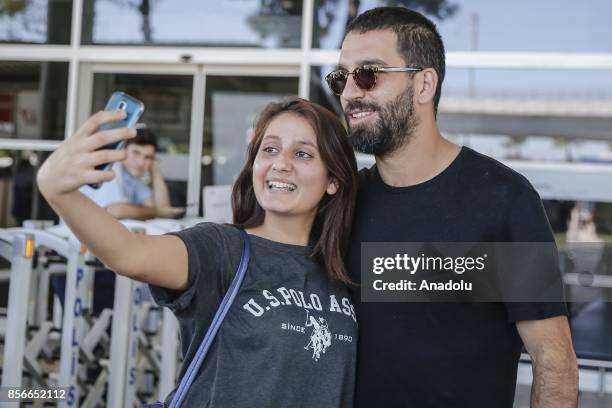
(18, 248)
(73, 324)
(127, 337)
(139, 347)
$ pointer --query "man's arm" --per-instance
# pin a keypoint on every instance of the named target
(140, 212)
(555, 372)
(161, 196)
(123, 211)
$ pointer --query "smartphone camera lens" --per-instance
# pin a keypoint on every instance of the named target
(122, 105)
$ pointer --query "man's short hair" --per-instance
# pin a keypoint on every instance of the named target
(418, 40)
(144, 136)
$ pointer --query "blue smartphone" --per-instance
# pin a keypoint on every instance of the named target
(133, 108)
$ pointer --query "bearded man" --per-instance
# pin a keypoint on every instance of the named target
(423, 188)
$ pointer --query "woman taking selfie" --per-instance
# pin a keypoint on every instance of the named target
(289, 338)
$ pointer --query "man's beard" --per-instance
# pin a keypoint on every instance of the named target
(393, 129)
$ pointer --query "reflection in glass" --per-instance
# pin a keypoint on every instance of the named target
(320, 92)
(544, 115)
(535, 148)
(584, 236)
(483, 25)
(331, 17)
(234, 23)
(19, 197)
(529, 84)
(33, 99)
(167, 101)
(36, 21)
(231, 106)
(562, 105)
(580, 221)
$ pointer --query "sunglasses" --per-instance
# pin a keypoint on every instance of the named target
(364, 77)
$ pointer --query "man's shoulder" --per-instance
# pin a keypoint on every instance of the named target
(491, 174)
(475, 169)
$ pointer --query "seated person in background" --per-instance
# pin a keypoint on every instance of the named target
(129, 195)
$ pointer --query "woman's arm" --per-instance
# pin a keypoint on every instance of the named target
(160, 260)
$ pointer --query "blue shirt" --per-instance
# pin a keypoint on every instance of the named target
(124, 188)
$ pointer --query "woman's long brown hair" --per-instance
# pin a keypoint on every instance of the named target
(332, 224)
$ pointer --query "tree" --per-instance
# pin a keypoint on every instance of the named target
(271, 12)
(12, 7)
(514, 144)
(144, 7)
(24, 16)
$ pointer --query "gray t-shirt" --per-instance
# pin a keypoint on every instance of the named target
(289, 339)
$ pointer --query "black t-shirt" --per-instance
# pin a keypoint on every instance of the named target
(444, 354)
(288, 340)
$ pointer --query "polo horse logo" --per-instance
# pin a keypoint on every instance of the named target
(320, 338)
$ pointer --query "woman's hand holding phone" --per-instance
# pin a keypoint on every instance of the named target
(161, 260)
(73, 164)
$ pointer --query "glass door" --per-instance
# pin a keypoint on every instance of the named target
(202, 116)
(168, 95)
(232, 100)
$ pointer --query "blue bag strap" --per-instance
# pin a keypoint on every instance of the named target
(225, 305)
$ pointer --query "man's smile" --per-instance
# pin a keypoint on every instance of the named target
(356, 117)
